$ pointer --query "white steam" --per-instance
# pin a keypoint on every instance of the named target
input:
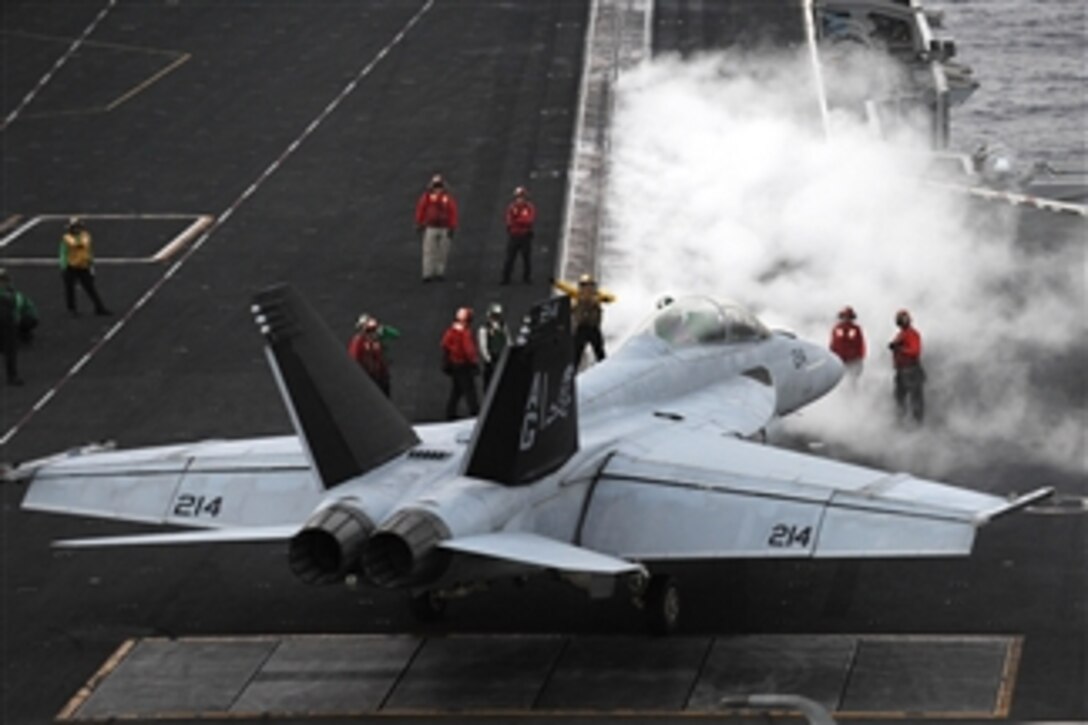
(723, 183)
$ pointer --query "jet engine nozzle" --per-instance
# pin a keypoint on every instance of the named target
(403, 551)
(328, 546)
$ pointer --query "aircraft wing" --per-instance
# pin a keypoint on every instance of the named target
(679, 493)
(264, 482)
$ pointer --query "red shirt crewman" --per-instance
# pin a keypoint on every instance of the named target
(366, 349)
(520, 219)
(848, 341)
(436, 221)
(910, 376)
(460, 360)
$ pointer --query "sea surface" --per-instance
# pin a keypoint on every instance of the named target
(1031, 59)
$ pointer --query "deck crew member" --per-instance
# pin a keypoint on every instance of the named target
(460, 361)
(520, 220)
(586, 312)
(910, 377)
(77, 265)
(366, 348)
(436, 221)
(848, 342)
(9, 330)
(491, 340)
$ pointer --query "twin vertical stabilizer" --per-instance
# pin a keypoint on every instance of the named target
(529, 424)
(346, 423)
(528, 427)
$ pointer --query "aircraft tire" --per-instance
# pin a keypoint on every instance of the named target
(428, 606)
(662, 604)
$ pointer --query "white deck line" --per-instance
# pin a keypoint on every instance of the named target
(199, 222)
(817, 71)
(180, 241)
(219, 221)
(44, 80)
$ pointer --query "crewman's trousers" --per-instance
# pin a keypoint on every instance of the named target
(436, 248)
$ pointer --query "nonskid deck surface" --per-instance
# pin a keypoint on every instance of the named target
(873, 676)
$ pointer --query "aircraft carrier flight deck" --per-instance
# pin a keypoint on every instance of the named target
(217, 148)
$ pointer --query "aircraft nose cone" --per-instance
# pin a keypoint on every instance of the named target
(824, 371)
(833, 371)
(810, 373)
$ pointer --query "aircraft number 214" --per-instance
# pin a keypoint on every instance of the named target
(786, 535)
(191, 506)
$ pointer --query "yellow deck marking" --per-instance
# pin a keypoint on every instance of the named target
(147, 83)
(179, 59)
(103, 672)
(10, 223)
(1008, 677)
(180, 241)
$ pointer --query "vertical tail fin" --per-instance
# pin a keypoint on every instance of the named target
(529, 423)
(345, 422)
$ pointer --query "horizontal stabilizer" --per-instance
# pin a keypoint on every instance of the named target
(540, 551)
(347, 425)
(172, 538)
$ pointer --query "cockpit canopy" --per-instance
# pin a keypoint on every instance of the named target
(691, 321)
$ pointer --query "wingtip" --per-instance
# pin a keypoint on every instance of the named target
(1015, 504)
(24, 471)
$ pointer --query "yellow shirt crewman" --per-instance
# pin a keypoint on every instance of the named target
(585, 313)
(77, 265)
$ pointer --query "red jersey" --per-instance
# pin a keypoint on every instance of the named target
(520, 217)
(436, 208)
(847, 342)
(458, 345)
(367, 351)
(907, 348)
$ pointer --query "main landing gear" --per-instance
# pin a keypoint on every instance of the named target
(428, 606)
(659, 599)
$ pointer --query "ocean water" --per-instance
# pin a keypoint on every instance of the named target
(1031, 58)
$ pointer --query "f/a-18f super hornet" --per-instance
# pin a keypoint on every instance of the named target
(644, 459)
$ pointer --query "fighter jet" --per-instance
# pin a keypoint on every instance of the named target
(601, 477)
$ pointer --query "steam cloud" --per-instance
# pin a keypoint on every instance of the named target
(724, 183)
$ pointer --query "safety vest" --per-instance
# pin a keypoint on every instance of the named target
(75, 250)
